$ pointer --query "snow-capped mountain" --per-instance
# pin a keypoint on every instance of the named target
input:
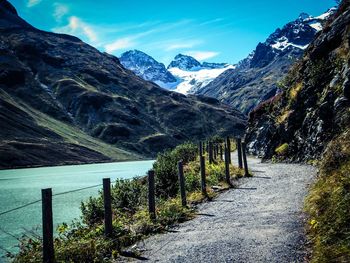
(193, 75)
(184, 74)
(294, 36)
(148, 68)
(255, 78)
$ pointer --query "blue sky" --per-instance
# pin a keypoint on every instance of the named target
(209, 30)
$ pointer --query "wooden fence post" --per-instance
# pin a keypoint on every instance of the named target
(210, 152)
(220, 150)
(203, 150)
(203, 183)
(182, 183)
(151, 195)
(214, 151)
(107, 201)
(227, 166)
(228, 145)
(200, 149)
(47, 221)
(239, 151)
(246, 172)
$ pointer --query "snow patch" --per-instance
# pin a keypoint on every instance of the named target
(283, 42)
(190, 81)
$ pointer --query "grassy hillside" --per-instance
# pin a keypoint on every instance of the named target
(59, 142)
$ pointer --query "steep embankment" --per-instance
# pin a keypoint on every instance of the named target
(309, 120)
(314, 105)
(63, 101)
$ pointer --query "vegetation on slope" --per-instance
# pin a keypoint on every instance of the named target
(85, 241)
(328, 204)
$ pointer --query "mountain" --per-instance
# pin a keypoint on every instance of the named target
(184, 62)
(256, 78)
(184, 74)
(189, 81)
(147, 68)
(314, 106)
(62, 101)
(193, 75)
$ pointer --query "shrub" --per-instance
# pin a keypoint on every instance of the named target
(129, 195)
(92, 210)
(165, 168)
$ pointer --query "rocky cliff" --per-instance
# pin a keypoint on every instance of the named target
(314, 106)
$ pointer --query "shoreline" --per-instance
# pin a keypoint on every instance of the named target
(73, 164)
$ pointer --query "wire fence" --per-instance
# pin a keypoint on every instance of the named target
(27, 233)
(39, 200)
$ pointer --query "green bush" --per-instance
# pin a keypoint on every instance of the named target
(165, 168)
(92, 210)
(129, 195)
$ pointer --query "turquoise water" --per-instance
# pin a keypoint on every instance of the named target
(21, 186)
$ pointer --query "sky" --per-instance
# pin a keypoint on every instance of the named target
(209, 30)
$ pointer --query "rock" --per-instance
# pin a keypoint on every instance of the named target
(346, 88)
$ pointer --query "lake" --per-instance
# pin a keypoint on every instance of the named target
(21, 186)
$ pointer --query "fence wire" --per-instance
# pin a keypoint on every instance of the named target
(19, 207)
(37, 201)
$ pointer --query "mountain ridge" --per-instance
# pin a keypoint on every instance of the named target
(255, 78)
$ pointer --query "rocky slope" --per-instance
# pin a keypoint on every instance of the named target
(256, 78)
(63, 101)
(147, 68)
(314, 106)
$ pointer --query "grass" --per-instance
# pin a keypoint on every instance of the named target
(282, 149)
(284, 116)
(328, 205)
(294, 91)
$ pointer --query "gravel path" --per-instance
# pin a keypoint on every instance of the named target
(260, 221)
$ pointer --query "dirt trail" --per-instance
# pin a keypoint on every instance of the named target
(260, 221)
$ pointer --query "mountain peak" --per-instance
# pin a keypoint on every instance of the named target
(184, 62)
(303, 16)
(146, 67)
(7, 6)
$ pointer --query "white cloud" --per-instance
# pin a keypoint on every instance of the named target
(77, 27)
(183, 44)
(202, 55)
(122, 43)
(60, 11)
(216, 20)
(32, 3)
(129, 41)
